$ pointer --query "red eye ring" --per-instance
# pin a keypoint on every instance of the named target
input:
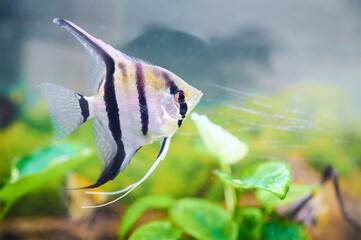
(180, 96)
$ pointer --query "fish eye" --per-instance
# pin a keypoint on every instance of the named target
(180, 96)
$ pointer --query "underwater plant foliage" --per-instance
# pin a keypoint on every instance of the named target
(204, 219)
(284, 230)
(162, 229)
(141, 205)
(272, 176)
(42, 166)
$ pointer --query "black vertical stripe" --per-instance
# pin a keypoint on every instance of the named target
(170, 83)
(84, 107)
(180, 122)
(183, 108)
(144, 115)
(111, 106)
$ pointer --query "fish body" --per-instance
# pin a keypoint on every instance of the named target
(134, 104)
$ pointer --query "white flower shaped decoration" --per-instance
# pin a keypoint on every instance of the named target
(224, 146)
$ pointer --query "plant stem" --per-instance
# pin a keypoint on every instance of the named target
(229, 192)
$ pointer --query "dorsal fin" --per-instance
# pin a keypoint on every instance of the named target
(99, 54)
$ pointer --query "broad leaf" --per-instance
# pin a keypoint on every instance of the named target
(272, 176)
(40, 160)
(203, 219)
(269, 201)
(280, 231)
(143, 204)
(26, 178)
(157, 230)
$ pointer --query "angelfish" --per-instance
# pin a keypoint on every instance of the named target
(134, 104)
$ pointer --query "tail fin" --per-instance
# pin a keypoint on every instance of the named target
(68, 109)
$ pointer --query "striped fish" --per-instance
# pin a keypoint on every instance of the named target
(134, 104)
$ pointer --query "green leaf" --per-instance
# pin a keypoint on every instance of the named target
(203, 219)
(281, 231)
(27, 178)
(272, 176)
(156, 230)
(41, 159)
(250, 220)
(269, 201)
(135, 210)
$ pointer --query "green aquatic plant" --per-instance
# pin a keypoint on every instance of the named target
(273, 176)
(135, 210)
(44, 165)
(225, 148)
(163, 229)
(200, 218)
(205, 219)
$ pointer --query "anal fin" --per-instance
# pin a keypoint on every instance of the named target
(111, 153)
(162, 153)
